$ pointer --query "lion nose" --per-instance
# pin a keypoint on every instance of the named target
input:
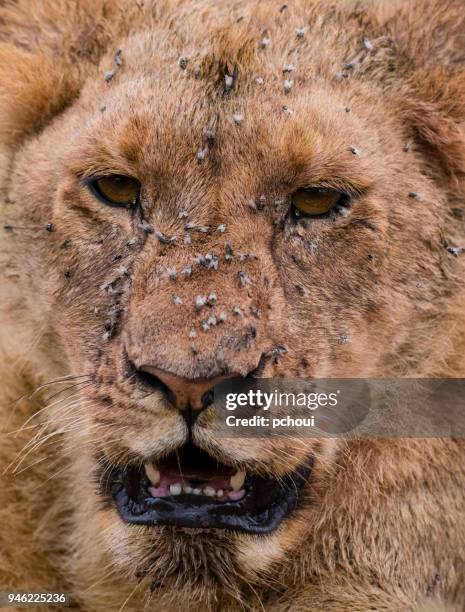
(193, 395)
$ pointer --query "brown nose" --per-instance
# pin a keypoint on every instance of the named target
(184, 393)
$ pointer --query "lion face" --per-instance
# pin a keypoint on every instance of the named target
(183, 228)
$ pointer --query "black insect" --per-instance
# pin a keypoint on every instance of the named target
(118, 58)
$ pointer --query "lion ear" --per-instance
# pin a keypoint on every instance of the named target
(433, 106)
(47, 47)
(34, 87)
(427, 43)
(424, 32)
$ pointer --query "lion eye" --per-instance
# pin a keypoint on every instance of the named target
(314, 202)
(116, 190)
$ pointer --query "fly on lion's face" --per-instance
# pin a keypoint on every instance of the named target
(253, 201)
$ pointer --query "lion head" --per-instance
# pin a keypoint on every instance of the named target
(198, 192)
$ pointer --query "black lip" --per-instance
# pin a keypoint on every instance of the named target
(266, 502)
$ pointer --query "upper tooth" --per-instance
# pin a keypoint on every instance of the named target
(152, 473)
(237, 480)
(175, 489)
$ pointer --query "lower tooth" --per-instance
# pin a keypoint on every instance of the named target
(237, 481)
(220, 493)
(175, 489)
(209, 491)
(196, 491)
(153, 474)
(188, 489)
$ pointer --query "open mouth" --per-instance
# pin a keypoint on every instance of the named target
(191, 489)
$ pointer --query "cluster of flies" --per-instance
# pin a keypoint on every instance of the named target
(210, 261)
(206, 303)
(115, 288)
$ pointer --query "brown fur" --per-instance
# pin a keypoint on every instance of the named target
(380, 520)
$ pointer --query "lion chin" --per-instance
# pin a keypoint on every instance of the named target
(197, 193)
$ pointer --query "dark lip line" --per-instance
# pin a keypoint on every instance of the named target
(211, 514)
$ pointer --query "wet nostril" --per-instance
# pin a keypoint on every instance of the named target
(185, 394)
(207, 398)
(188, 395)
(155, 384)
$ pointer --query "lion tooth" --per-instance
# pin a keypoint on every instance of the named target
(237, 480)
(175, 489)
(153, 473)
(210, 491)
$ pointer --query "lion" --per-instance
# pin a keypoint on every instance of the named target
(197, 191)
